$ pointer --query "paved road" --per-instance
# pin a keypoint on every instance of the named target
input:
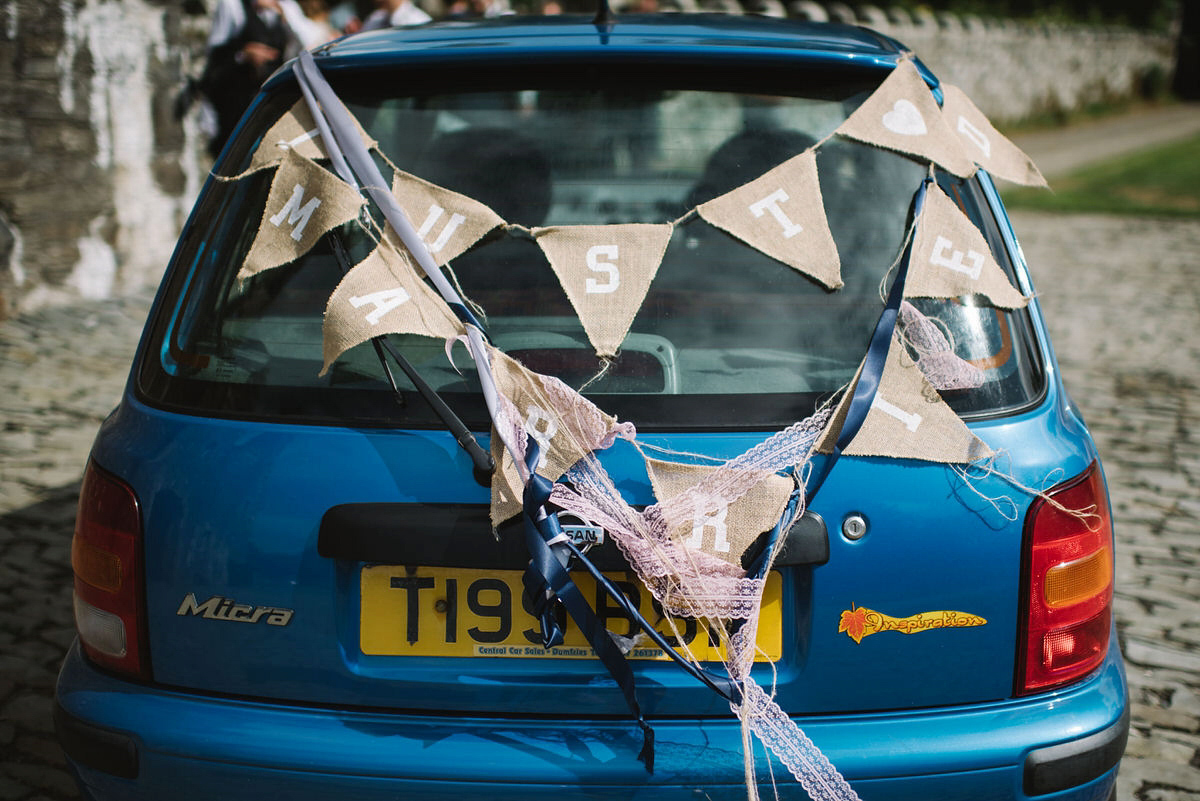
(1123, 299)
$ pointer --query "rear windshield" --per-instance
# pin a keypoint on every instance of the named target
(726, 337)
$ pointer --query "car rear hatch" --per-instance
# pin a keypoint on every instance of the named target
(310, 540)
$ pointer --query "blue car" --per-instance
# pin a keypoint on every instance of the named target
(326, 552)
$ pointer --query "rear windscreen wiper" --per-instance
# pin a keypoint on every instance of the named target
(483, 464)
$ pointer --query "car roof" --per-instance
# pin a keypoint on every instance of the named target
(712, 36)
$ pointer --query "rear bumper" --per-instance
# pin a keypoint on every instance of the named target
(130, 741)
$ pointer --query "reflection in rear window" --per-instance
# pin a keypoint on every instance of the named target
(726, 337)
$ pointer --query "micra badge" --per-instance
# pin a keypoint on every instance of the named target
(863, 622)
(219, 608)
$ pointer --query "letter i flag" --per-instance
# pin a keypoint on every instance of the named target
(907, 419)
(781, 213)
(304, 203)
(606, 271)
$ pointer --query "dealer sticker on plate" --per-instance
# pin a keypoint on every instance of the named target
(455, 612)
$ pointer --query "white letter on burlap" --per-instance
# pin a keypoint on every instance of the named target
(383, 295)
(781, 214)
(606, 271)
(304, 203)
(984, 145)
(295, 131)
(447, 222)
(902, 115)
(563, 423)
(907, 419)
(950, 258)
(723, 529)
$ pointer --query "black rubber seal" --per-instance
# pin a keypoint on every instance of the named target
(1060, 767)
(111, 752)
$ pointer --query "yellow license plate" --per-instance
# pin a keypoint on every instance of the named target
(456, 612)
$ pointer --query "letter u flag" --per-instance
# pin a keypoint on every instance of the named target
(606, 271)
(447, 222)
(781, 214)
(304, 203)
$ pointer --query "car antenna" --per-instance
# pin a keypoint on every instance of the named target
(605, 18)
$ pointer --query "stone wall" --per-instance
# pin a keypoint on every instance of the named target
(96, 176)
(1013, 70)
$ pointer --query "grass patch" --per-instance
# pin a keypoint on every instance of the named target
(1162, 181)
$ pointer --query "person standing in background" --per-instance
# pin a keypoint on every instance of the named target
(246, 44)
(390, 13)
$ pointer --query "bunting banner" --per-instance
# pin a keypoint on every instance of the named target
(986, 146)
(606, 271)
(447, 222)
(383, 295)
(781, 213)
(902, 115)
(563, 423)
(907, 420)
(951, 258)
(305, 202)
(724, 530)
(295, 131)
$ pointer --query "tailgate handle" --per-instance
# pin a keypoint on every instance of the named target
(807, 542)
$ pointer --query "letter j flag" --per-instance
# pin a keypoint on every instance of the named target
(781, 213)
(304, 203)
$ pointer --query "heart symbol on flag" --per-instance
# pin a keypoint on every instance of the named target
(905, 120)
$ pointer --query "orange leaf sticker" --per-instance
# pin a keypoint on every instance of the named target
(854, 623)
(863, 622)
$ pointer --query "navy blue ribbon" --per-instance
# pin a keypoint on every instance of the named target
(550, 574)
(876, 358)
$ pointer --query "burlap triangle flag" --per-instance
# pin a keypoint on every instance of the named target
(383, 295)
(951, 258)
(606, 271)
(983, 144)
(907, 420)
(563, 423)
(723, 529)
(305, 201)
(781, 214)
(902, 115)
(447, 222)
(295, 131)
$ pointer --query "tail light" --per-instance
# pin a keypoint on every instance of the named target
(106, 555)
(1069, 575)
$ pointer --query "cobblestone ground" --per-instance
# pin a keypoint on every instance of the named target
(1124, 306)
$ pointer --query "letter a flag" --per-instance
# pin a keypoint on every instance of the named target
(447, 222)
(984, 145)
(950, 258)
(902, 115)
(782, 215)
(907, 419)
(723, 528)
(606, 271)
(304, 203)
(565, 425)
(295, 131)
(383, 295)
